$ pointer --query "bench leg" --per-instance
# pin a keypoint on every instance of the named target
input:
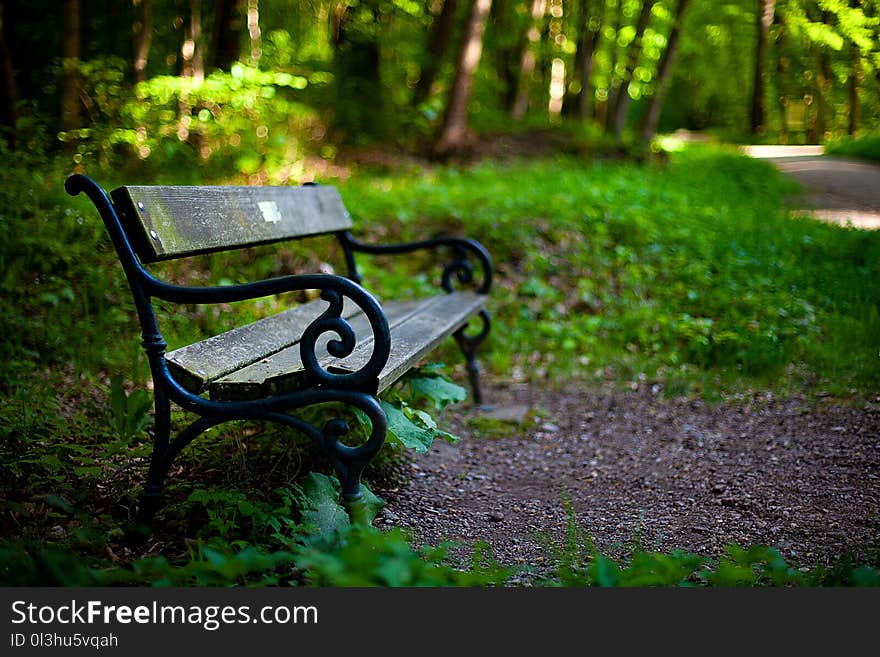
(468, 345)
(164, 453)
(151, 496)
(348, 462)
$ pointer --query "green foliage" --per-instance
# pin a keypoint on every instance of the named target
(363, 557)
(620, 270)
(865, 146)
(409, 425)
(412, 427)
(246, 121)
(322, 512)
(431, 384)
(130, 410)
(577, 563)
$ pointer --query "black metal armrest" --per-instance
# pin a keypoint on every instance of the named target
(460, 266)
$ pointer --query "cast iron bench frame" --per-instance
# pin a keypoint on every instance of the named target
(196, 220)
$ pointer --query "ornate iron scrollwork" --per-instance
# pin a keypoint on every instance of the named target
(460, 267)
(331, 321)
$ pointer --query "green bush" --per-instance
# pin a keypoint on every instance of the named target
(866, 146)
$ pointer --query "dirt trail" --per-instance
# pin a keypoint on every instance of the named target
(639, 469)
(838, 189)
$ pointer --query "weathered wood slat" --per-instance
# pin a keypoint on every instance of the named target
(198, 364)
(283, 371)
(417, 335)
(169, 222)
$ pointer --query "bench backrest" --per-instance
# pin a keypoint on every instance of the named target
(173, 222)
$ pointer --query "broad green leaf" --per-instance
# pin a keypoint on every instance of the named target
(605, 571)
(364, 511)
(323, 509)
(405, 430)
(436, 388)
(58, 502)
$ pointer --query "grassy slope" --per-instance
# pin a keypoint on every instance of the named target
(684, 273)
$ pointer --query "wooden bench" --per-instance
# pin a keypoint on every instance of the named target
(345, 346)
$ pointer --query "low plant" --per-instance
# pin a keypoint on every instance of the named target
(866, 146)
(578, 563)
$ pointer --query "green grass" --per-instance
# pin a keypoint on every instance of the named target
(687, 274)
(690, 275)
(866, 146)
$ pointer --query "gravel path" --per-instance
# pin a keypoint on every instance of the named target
(642, 470)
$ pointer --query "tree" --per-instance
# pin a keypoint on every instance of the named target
(853, 87)
(621, 101)
(603, 114)
(664, 68)
(454, 131)
(528, 61)
(438, 43)
(8, 87)
(764, 18)
(254, 32)
(193, 59)
(592, 25)
(509, 43)
(358, 106)
(143, 35)
(225, 35)
(70, 54)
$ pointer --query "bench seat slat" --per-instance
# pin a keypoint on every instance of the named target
(282, 371)
(198, 364)
(416, 327)
(418, 334)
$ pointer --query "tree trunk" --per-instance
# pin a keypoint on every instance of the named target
(781, 78)
(591, 40)
(226, 35)
(664, 68)
(358, 107)
(527, 64)
(143, 35)
(823, 82)
(509, 47)
(193, 62)
(70, 53)
(571, 100)
(853, 83)
(438, 45)
(8, 88)
(603, 113)
(454, 133)
(253, 25)
(585, 50)
(621, 100)
(764, 18)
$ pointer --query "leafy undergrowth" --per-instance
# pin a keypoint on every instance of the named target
(327, 549)
(690, 276)
(579, 563)
(866, 146)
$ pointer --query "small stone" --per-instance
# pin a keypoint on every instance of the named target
(516, 414)
(496, 517)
